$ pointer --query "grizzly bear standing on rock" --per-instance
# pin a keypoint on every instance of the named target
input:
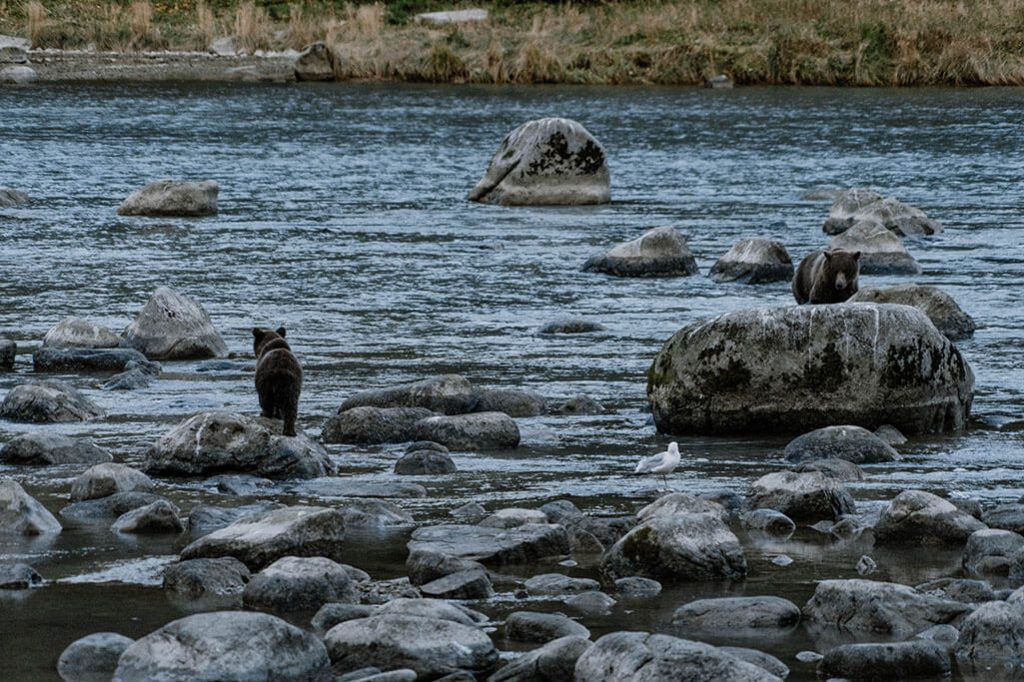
(827, 277)
(278, 377)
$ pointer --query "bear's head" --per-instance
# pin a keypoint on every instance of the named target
(264, 340)
(841, 269)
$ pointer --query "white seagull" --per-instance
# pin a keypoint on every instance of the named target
(663, 463)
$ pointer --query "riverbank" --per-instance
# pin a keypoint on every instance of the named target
(777, 42)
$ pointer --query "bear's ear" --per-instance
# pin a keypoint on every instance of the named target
(257, 332)
(827, 254)
(280, 332)
(856, 255)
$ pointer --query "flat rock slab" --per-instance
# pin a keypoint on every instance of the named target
(371, 425)
(548, 161)
(42, 447)
(226, 645)
(798, 368)
(445, 394)
(75, 332)
(172, 198)
(48, 402)
(493, 546)
(347, 487)
(216, 442)
(47, 359)
(260, 539)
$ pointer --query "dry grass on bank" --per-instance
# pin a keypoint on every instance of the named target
(867, 42)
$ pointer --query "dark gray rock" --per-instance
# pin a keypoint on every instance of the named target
(93, 657)
(958, 589)
(197, 578)
(643, 657)
(331, 614)
(261, 539)
(159, 517)
(660, 252)
(581, 404)
(12, 197)
(878, 607)
(754, 261)
(493, 546)
(172, 326)
(635, 587)
(737, 613)
(172, 198)
(367, 424)
(478, 431)
(8, 351)
(1005, 517)
(50, 359)
(129, 380)
(226, 645)
(562, 511)
(75, 332)
(769, 521)
(300, 584)
(108, 508)
(862, 364)
(214, 442)
(559, 584)
(446, 394)
(101, 480)
(886, 661)
(948, 317)
(839, 469)
(425, 462)
(890, 434)
(470, 584)
(841, 214)
(672, 548)
(204, 519)
(758, 658)
(548, 161)
(851, 443)
(808, 496)
(553, 662)
(44, 447)
(22, 514)
(992, 637)
(515, 402)
(592, 603)
(903, 220)
(989, 553)
(316, 63)
(513, 517)
(571, 325)
(373, 514)
(427, 565)
(333, 487)
(915, 518)
(431, 647)
(540, 628)
(48, 402)
(18, 577)
(240, 484)
(471, 512)
(432, 609)
(881, 251)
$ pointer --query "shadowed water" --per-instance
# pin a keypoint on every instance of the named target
(343, 217)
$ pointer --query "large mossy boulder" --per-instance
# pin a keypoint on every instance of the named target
(549, 161)
(793, 369)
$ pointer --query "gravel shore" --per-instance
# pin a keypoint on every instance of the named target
(79, 65)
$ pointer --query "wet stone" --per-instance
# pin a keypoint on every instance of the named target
(992, 636)
(43, 448)
(769, 521)
(172, 326)
(839, 469)
(571, 325)
(50, 359)
(737, 613)
(333, 613)
(172, 198)
(944, 312)
(990, 552)
(8, 348)
(299, 584)
(758, 658)
(494, 546)
(425, 462)
(478, 431)
(754, 261)
(445, 394)
(471, 512)
(18, 576)
(915, 518)
(196, 578)
(106, 479)
(93, 657)
(367, 424)
(581, 405)
(426, 565)
(332, 487)
(890, 434)
(515, 402)
(469, 584)
(554, 662)
(593, 603)
(808, 496)
(240, 484)
(851, 443)
(22, 514)
(108, 508)
(889, 661)
(48, 402)
(204, 519)
(635, 587)
(559, 584)
(513, 517)
(531, 626)
(660, 252)
(1004, 516)
(959, 589)
(159, 517)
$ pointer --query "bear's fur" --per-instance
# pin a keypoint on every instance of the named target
(278, 377)
(827, 277)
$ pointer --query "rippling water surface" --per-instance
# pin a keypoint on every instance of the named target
(343, 217)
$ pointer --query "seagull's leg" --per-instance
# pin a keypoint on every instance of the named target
(664, 480)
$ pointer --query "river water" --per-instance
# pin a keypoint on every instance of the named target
(343, 217)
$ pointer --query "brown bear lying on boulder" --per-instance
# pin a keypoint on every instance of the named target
(278, 377)
(827, 277)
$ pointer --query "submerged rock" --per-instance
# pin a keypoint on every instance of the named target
(754, 261)
(259, 539)
(515, 402)
(76, 332)
(347, 487)
(44, 447)
(851, 443)
(300, 584)
(737, 613)
(807, 496)
(916, 658)
(446, 394)
(846, 206)
(172, 326)
(431, 647)
(48, 402)
(213, 442)
(47, 359)
(493, 546)
(659, 252)
(172, 198)
(643, 657)
(478, 431)
(12, 197)
(881, 251)
(792, 369)
(915, 518)
(372, 425)
(580, 404)
(22, 514)
(226, 645)
(106, 479)
(671, 548)
(571, 325)
(549, 161)
(878, 607)
(948, 317)
(93, 657)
